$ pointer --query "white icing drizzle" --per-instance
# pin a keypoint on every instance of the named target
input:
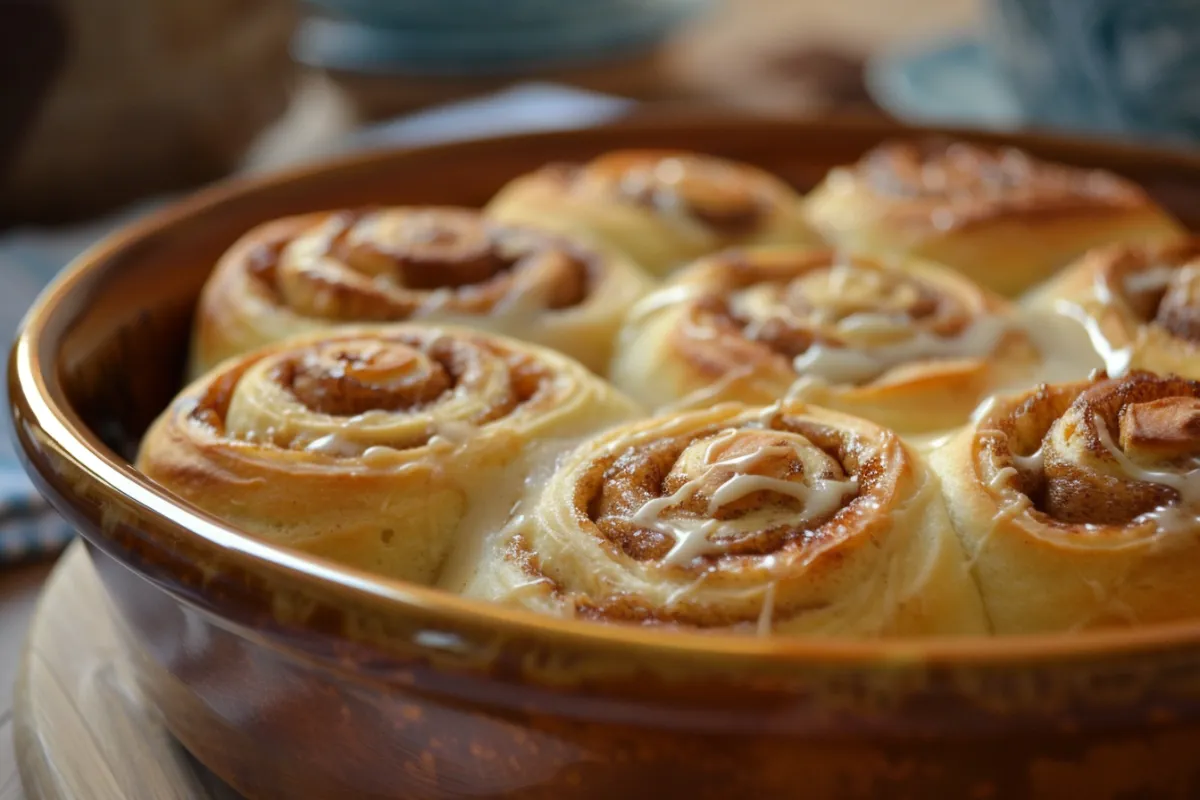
(373, 418)
(1179, 517)
(493, 516)
(1017, 503)
(855, 364)
(452, 431)
(1012, 503)
(690, 541)
(1116, 359)
(926, 443)
(1001, 477)
(337, 445)
(686, 589)
(763, 624)
(331, 444)
(657, 301)
(1063, 346)
(526, 299)
(1030, 463)
(799, 388)
(648, 515)
(740, 486)
(709, 393)
(379, 453)
(433, 303)
(874, 322)
(533, 586)
(696, 537)
(984, 409)
(652, 304)
(1152, 279)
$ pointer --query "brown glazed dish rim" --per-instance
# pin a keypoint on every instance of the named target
(37, 395)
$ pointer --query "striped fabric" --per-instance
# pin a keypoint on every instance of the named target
(28, 260)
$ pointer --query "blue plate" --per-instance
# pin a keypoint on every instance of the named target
(949, 82)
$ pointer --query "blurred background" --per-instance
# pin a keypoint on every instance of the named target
(107, 102)
(110, 102)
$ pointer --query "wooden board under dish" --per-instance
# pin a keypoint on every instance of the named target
(83, 731)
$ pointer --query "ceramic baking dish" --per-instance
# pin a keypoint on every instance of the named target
(293, 678)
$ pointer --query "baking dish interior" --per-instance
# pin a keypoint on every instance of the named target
(103, 351)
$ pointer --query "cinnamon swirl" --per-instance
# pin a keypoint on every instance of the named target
(1140, 305)
(436, 265)
(1079, 504)
(371, 447)
(1005, 219)
(913, 346)
(790, 520)
(661, 207)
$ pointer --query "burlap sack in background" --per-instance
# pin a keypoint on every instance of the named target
(153, 95)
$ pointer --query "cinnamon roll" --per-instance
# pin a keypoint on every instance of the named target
(790, 519)
(1078, 504)
(1140, 305)
(662, 208)
(1005, 219)
(437, 264)
(913, 346)
(371, 447)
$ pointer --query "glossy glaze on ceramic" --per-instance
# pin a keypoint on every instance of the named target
(292, 678)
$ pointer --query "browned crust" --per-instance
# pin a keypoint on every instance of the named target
(953, 186)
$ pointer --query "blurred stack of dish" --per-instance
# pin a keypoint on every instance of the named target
(483, 37)
(392, 58)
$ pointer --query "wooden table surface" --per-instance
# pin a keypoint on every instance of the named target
(18, 595)
(718, 59)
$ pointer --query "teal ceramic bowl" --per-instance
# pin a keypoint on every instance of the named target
(464, 37)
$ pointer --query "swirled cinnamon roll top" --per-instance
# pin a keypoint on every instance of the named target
(371, 447)
(949, 185)
(663, 207)
(789, 518)
(1160, 284)
(1079, 504)
(835, 313)
(762, 487)
(409, 263)
(414, 384)
(1140, 304)
(391, 264)
(729, 198)
(1003, 217)
(1106, 454)
(747, 325)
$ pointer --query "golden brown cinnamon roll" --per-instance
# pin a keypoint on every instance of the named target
(439, 265)
(1079, 504)
(370, 448)
(1140, 305)
(662, 208)
(789, 519)
(913, 346)
(1002, 217)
